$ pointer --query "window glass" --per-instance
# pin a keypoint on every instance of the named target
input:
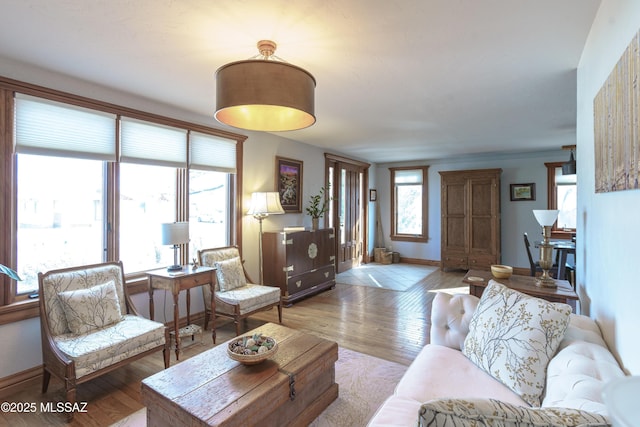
(208, 210)
(409, 204)
(566, 200)
(147, 199)
(60, 215)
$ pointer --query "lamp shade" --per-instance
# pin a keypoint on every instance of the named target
(175, 233)
(265, 203)
(569, 168)
(546, 217)
(265, 94)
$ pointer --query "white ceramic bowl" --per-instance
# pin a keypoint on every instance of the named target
(501, 271)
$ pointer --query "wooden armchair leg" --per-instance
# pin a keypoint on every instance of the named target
(237, 326)
(71, 397)
(280, 313)
(46, 376)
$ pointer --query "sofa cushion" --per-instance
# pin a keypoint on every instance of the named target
(230, 274)
(490, 412)
(512, 336)
(111, 344)
(248, 298)
(92, 308)
(450, 318)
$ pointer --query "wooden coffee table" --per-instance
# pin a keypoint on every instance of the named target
(291, 388)
(479, 279)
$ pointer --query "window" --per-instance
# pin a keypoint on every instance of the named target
(209, 224)
(562, 195)
(60, 214)
(409, 204)
(147, 199)
(91, 186)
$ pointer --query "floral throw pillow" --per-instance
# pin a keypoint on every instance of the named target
(230, 274)
(92, 308)
(512, 337)
(490, 412)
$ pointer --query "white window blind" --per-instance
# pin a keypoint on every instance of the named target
(212, 153)
(409, 176)
(45, 127)
(152, 144)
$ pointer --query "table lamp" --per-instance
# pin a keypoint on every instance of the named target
(264, 204)
(546, 218)
(175, 233)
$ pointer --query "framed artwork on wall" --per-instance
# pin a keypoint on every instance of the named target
(289, 183)
(521, 192)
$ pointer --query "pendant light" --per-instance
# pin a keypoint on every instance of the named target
(569, 168)
(265, 93)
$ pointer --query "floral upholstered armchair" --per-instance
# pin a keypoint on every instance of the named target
(89, 325)
(236, 296)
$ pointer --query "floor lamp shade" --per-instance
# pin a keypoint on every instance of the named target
(175, 233)
(265, 203)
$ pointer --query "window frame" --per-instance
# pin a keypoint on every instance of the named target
(552, 196)
(19, 307)
(395, 236)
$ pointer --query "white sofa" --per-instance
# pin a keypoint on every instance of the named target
(442, 374)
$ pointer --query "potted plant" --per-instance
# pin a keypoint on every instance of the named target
(318, 205)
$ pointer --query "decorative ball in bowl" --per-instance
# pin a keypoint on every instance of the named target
(252, 349)
(501, 271)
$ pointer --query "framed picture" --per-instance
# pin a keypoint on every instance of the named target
(289, 183)
(521, 192)
(373, 195)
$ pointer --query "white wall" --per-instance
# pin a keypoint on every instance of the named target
(607, 253)
(517, 217)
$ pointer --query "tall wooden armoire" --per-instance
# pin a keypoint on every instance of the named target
(470, 223)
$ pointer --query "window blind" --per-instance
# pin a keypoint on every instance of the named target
(208, 152)
(152, 144)
(408, 176)
(51, 128)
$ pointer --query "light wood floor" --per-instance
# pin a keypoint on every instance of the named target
(387, 324)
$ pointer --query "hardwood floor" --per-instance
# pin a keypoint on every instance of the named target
(387, 324)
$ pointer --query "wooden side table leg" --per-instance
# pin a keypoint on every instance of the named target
(176, 324)
(151, 308)
(213, 307)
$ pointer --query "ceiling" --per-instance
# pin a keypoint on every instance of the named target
(396, 79)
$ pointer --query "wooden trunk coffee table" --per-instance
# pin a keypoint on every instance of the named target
(291, 388)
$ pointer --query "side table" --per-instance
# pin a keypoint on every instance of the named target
(182, 280)
(479, 279)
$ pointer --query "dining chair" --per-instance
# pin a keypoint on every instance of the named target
(535, 265)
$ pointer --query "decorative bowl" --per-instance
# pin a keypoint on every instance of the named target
(252, 349)
(501, 271)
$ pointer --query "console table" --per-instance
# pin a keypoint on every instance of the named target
(564, 293)
(182, 280)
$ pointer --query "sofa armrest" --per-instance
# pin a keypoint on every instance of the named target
(450, 317)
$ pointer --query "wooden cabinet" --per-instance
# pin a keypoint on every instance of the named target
(301, 263)
(470, 226)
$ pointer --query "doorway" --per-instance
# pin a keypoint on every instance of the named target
(348, 209)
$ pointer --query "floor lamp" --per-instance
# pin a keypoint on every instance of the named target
(264, 204)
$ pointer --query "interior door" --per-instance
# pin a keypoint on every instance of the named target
(349, 180)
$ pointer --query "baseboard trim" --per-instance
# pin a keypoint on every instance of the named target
(19, 381)
(420, 261)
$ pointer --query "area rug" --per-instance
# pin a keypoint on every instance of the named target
(396, 277)
(364, 383)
